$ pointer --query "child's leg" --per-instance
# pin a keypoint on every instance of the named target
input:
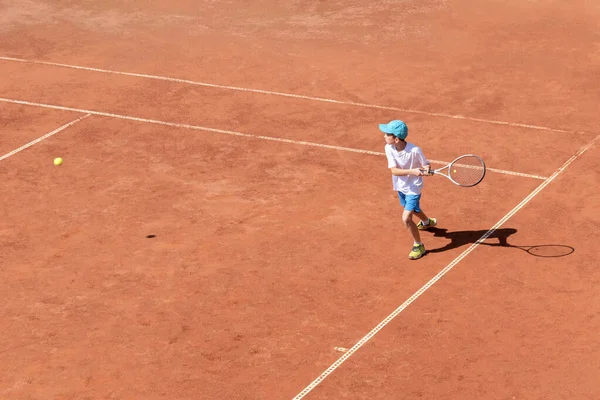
(425, 222)
(411, 206)
(421, 215)
(411, 226)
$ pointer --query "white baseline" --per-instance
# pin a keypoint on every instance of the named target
(234, 133)
(273, 93)
(440, 274)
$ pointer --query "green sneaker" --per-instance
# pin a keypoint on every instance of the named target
(431, 224)
(417, 252)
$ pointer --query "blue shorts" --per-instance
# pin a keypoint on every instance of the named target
(410, 202)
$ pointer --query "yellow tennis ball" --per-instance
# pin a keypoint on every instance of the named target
(454, 171)
(58, 161)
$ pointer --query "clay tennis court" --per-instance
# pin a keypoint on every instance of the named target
(223, 224)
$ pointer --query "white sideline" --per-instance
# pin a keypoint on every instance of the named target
(46, 136)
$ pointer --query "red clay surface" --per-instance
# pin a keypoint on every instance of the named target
(267, 255)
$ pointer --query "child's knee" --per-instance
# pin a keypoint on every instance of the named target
(407, 217)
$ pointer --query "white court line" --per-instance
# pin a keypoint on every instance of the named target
(262, 137)
(273, 93)
(46, 136)
(440, 274)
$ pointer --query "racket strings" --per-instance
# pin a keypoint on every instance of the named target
(467, 171)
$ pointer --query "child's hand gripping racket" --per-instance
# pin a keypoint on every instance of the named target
(467, 170)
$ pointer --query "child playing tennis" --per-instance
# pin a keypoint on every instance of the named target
(408, 166)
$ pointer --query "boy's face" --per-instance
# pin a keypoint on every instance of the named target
(390, 139)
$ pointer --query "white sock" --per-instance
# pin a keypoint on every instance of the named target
(426, 223)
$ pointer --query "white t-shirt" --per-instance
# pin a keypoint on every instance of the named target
(411, 157)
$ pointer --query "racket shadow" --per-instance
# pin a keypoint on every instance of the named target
(499, 238)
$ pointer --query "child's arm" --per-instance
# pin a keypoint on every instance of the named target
(404, 172)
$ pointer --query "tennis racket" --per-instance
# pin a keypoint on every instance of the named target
(467, 170)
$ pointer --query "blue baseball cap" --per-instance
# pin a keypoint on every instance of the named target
(396, 127)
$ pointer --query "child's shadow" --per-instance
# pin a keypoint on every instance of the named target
(461, 238)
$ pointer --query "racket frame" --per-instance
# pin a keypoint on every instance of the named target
(447, 167)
